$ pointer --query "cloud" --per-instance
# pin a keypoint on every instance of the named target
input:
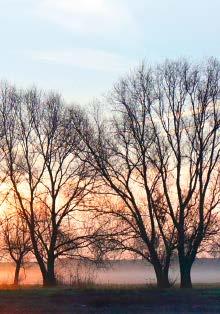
(90, 59)
(87, 16)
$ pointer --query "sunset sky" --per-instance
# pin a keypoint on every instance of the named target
(80, 48)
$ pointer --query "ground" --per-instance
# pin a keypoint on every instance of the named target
(109, 300)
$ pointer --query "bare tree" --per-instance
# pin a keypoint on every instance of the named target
(119, 151)
(186, 120)
(163, 142)
(46, 174)
(16, 241)
(155, 159)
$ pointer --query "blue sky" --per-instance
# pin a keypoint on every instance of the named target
(80, 48)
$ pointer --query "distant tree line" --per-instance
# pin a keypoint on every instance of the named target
(142, 177)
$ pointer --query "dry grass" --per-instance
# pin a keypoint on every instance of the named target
(108, 299)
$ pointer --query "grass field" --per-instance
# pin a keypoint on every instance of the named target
(111, 299)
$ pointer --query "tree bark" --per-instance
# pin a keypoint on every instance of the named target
(185, 274)
(17, 272)
(49, 277)
(162, 278)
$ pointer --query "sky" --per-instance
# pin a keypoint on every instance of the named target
(80, 48)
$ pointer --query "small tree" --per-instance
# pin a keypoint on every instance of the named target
(16, 241)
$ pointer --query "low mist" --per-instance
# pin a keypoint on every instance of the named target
(117, 272)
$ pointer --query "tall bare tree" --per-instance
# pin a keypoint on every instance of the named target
(163, 141)
(46, 174)
(186, 121)
(119, 151)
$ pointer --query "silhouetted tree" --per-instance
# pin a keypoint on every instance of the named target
(119, 151)
(163, 138)
(16, 241)
(47, 175)
(186, 120)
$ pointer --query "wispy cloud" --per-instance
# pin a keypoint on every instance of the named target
(87, 16)
(90, 59)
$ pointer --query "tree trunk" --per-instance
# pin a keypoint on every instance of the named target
(185, 274)
(162, 278)
(17, 271)
(49, 278)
